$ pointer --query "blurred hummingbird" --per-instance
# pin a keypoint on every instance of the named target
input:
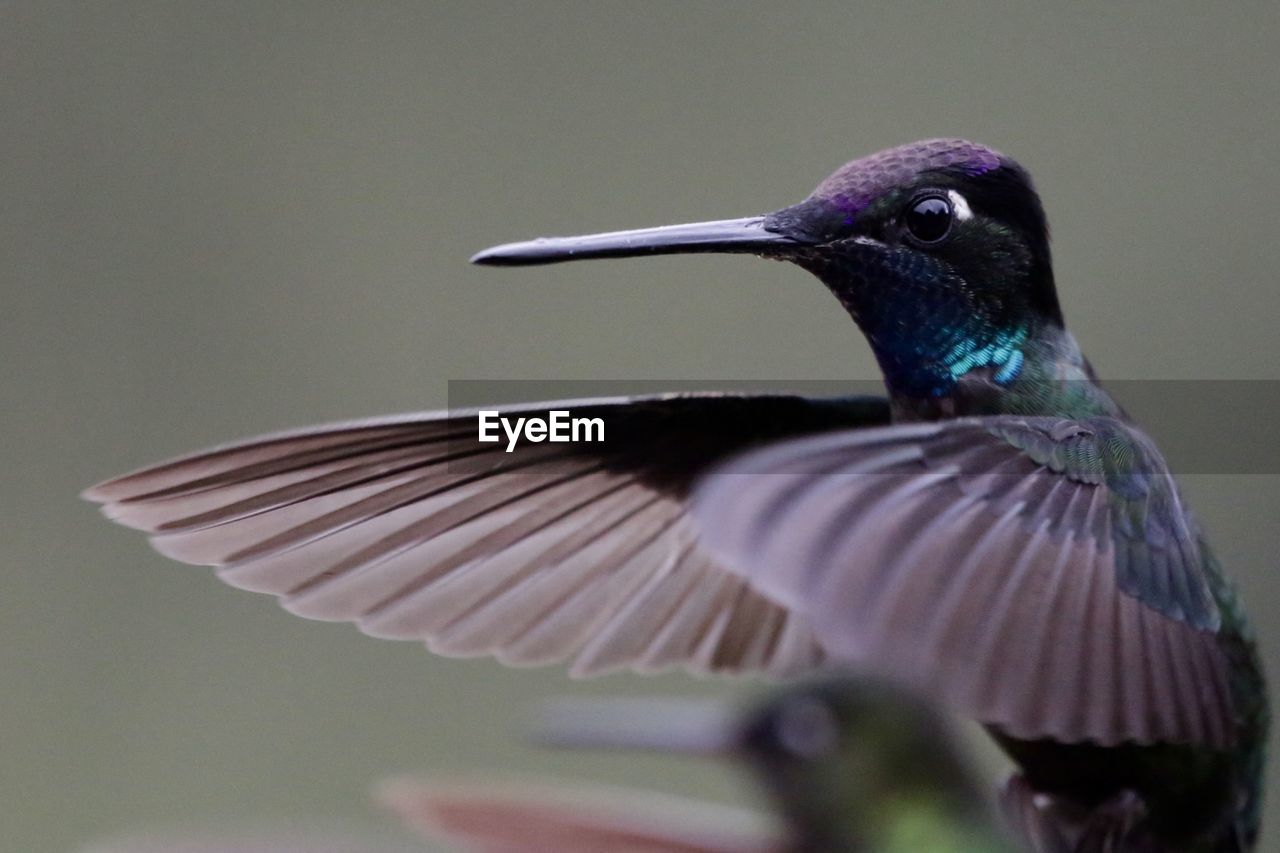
(995, 530)
(849, 764)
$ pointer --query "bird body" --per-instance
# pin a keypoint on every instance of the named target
(996, 530)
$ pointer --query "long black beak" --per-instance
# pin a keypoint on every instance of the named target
(749, 236)
(686, 726)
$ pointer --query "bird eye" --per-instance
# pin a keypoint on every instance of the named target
(929, 219)
(806, 728)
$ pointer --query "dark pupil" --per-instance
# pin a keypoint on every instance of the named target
(929, 219)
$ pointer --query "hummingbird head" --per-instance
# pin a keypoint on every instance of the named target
(859, 754)
(850, 762)
(938, 249)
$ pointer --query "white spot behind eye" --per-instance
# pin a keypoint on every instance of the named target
(959, 206)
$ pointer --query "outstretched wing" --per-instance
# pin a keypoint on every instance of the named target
(413, 529)
(1039, 573)
(524, 818)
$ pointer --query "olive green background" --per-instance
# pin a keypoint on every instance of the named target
(218, 219)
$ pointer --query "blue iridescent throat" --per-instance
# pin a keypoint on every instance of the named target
(1003, 352)
(917, 370)
(924, 325)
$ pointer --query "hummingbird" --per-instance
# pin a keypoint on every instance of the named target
(848, 763)
(994, 530)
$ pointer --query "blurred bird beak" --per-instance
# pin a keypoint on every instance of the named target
(750, 235)
(683, 726)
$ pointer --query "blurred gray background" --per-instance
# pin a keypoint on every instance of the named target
(220, 219)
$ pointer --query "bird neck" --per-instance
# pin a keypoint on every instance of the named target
(1027, 369)
(896, 820)
(948, 349)
(940, 827)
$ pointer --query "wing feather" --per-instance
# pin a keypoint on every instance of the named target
(412, 528)
(1026, 569)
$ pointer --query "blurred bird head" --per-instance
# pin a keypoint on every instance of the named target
(845, 760)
